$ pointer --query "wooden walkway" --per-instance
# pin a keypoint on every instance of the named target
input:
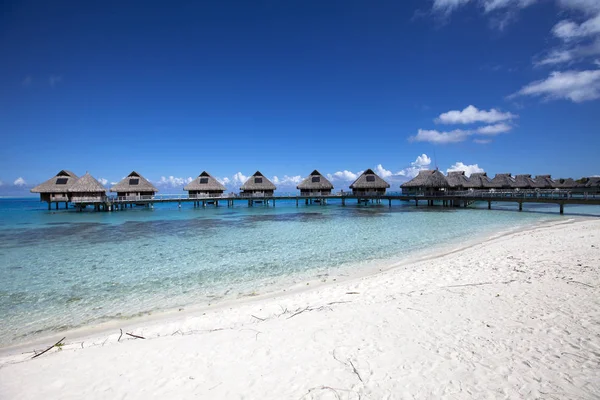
(450, 199)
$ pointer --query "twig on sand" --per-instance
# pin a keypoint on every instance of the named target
(135, 336)
(335, 391)
(581, 283)
(48, 349)
(478, 284)
(355, 370)
(352, 293)
(298, 312)
(258, 318)
(120, 335)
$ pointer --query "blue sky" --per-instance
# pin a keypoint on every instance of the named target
(289, 86)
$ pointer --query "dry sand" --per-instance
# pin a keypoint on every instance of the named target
(514, 317)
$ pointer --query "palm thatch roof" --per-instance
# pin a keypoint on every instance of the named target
(369, 180)
(427, 179)
(205, 182)
(315, 181)
(258, 182)
(87, 184)
(503, 181)
(524, 181)
(479, 180)
(457, 179)
(593, 182)
(60, 183)
(567, 183)
(134, 183)
(544, 182)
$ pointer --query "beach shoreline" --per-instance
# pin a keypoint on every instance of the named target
(285, 286)
(521, 306)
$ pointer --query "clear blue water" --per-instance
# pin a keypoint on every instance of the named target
(63, 269)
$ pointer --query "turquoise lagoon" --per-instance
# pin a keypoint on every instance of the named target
(62, 269)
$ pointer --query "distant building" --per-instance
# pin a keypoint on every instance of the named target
(479, 181)
(258, 185)
(503, 181)
(369, 184)
(427, 182)
(205, 185)
(524, 182)
(544, 182)
(133, 187)
(56, 189)
(457, 180)
(87, 190)
(315, 185)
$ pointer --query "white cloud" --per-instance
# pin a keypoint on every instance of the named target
(494, 129)
(482, 141)
(172, 181)
(239, 179)
(447, 6)
(569, 30)
(422, 162)
(577, 86)
(469, 169)
(586, 6)
(103, 181)
(437, 137)
(472, 114)
(19, 182)
(287, 180)
(344, 175)
(113, 183)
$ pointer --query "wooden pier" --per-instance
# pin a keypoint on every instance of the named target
(449, 199)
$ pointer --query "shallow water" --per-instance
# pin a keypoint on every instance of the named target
(63, 269)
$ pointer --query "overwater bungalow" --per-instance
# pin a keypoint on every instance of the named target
(593, 185)
(56, 189)
(205, 185)
(369, 184)
(134, 187)
(568, 183)
(457, 180)
(544, 182)
(427, 182)
(524, 182)
(479, 181)
(315, 185)
(257, 186)
(503, 181)
(87, 190)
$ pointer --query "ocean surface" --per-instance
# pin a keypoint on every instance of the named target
(62, 269)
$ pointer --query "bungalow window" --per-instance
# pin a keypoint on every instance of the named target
(134, 181)
(370, 178)
(316, 179)
(62, 181)
(203, 180)
(257, 180)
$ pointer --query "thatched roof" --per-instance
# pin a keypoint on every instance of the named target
(524, 182)
(315, 181)
(205, 182)
(258, 182)
(58, 184)
(457, 179)
(593, 182)
(504, 181)
(133, 182)
(87, 184)
(369, 180)
(479, 180)
(544, 182)
(427, 179)
(567, 183)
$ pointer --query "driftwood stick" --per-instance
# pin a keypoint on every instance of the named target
(581, 283)
(120, 335)
(48, 349)
(298, 312)
(135, 336)
(260, 319)
(355, 370)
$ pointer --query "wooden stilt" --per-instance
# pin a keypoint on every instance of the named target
(520, 206)
(489, 205)
(562, 208)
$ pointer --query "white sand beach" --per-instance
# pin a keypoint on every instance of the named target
(514, 317)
